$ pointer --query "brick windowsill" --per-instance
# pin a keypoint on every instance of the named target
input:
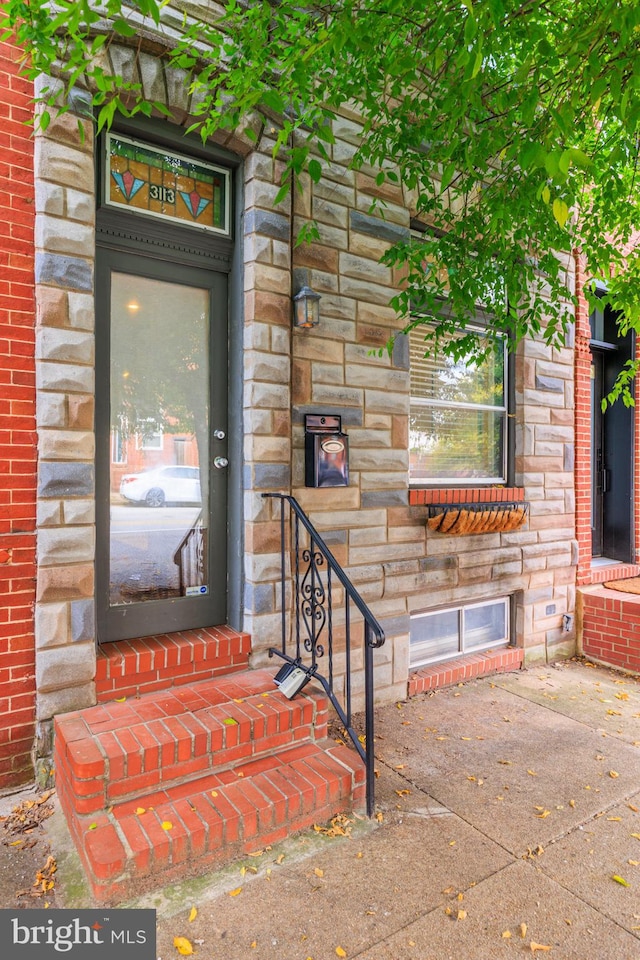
(444, 495)
(460, 669)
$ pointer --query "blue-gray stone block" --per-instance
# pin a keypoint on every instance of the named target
(268, 224)
(385, 498)
(400, 352)
(271, 476)
(374, 227)
(334, 536)
(552, 384)
(258, 598)
(83, 621)
(64, 271)
(59, 479)
(568, 457)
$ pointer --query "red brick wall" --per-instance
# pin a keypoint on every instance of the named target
(611, 627)
(17, 426)
(582, 428)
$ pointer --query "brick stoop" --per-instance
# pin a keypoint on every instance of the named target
(229, 762)
(465, 668)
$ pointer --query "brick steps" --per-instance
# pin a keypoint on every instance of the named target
(229, 763)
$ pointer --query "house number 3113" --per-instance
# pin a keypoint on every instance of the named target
(164, 194)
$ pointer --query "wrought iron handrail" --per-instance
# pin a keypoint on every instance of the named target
(189, 556)
(312, 627)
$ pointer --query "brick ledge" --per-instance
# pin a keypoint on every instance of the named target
(616, 571)
(465, 668)
(439, 495)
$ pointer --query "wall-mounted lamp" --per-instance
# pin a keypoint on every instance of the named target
(306, 308)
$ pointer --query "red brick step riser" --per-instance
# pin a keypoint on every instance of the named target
(215, 819)
(132, 667)
(104, 764)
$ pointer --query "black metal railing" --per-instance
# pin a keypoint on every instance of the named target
(190, 556)
(317, 624)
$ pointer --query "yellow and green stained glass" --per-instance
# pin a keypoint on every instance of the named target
(151, 180)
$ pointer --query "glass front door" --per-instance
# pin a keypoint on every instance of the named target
(162, 442)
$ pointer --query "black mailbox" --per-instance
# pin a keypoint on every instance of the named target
(326, 450)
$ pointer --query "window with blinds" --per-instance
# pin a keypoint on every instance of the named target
(458, 415)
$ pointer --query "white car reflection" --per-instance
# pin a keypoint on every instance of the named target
(162, 485)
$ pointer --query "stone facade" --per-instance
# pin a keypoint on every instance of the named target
(376, 527)
(374, 530)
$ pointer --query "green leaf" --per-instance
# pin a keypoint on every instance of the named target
(124, 28)
(315, 170)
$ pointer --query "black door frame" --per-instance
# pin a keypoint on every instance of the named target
(613, 444)
(145, 618)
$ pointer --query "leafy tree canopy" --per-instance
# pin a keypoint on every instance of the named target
(513, 124)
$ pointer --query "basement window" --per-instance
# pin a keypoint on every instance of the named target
(442, 634)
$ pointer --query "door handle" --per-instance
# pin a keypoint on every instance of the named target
(220, 463)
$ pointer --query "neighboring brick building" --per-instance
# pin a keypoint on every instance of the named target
(116, 234)
(18, 445)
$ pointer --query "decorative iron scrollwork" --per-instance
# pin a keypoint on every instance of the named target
(314, 600)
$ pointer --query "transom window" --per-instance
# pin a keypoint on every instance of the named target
(442, 634)
(458, 414)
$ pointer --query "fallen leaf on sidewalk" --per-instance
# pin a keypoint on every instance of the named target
(620, 880)
(193, 913)
(538, 946)
(183, 946)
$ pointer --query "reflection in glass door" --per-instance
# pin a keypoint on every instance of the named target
(159, 405)
(157, 571)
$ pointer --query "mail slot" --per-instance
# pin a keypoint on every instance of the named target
(326, 450)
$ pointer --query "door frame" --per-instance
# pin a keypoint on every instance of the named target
(125, 621)
(132, 234)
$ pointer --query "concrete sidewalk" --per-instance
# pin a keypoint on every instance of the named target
(507, 808)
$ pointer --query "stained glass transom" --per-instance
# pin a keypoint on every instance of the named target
(153, 181)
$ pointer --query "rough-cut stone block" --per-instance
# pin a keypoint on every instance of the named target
(51, 624)
(65, 444)
(64, 271)
(51, 410)
(62, 668)
(268, 223)
(375, 227)
(81, 311)
(55, 343)
(60, 545)
(65, 479)
(51, 703)
(62, 236)
(83, 626)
